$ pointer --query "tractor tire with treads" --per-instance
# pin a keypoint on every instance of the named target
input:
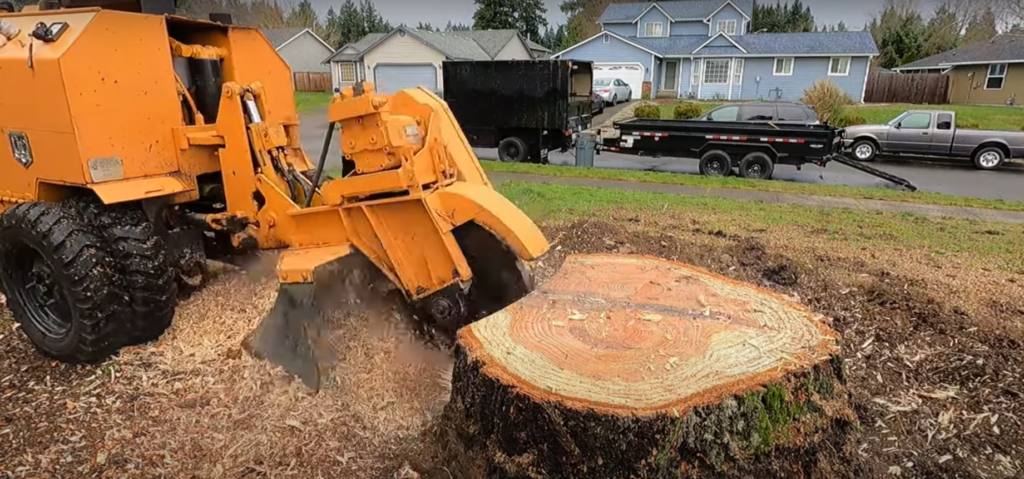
(145, 271)
(631, 366)
(61, 282)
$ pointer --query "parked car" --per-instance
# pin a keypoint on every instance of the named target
(933, 133)
(789, 113)
(612, 90)
(524, 108)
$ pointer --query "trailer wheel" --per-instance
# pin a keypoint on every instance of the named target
(864, 150)
(989, 158)
(715, 163)
(757, 166)
(513, 150)
(61, 282)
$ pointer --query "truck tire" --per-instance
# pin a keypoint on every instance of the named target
(989, 158)
(864, 150)
(512, 150)
(715, 163)
(143, 264)
(757, 166)
(61, 282)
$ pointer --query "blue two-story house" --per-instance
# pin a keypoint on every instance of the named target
(704, 49)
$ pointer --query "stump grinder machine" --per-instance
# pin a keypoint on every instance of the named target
(135, 145)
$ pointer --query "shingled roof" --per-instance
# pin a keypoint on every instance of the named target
(278, 36)
(999, 49)
(461, 45)
(678, 10)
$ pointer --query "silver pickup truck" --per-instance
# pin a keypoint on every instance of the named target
(933, 133)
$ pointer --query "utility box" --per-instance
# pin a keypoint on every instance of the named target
(586, 143)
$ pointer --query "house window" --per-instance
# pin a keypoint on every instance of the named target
(839, 66)
(783, 66)
(607, 38)
(727, 26)
(996, 76)
(737, 72)
(716, 72)
(653, 29)
(347, 72)
(696, 71)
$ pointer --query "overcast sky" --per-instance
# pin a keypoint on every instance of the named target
(438, 12)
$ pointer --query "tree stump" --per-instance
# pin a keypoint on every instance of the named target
(627, 366)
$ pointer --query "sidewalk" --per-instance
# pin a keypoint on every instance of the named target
(1014, 217)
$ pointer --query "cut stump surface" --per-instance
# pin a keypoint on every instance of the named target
(632, 366)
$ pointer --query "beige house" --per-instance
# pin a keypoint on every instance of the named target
(407, 58)
(989, 72)
(301, 49)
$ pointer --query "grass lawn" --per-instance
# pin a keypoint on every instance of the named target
(306, 101)
(759, 185)
(875, 229)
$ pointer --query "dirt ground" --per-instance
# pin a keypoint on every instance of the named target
(932, 349)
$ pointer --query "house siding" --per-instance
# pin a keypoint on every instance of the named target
(727, 13)
(514, 50)
(624, 29)
(806, 71)
(654, 15)
(962, 89)
(614, 51)
(306, 54)
(689, 28)
(686, 67)
(398, 49)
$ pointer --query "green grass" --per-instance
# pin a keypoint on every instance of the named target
(873, 229)
(758, 185)
(306, 101)
(986, 117)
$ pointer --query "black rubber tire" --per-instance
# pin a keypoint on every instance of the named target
(989, 150)
(143, 263)
(874, 150)
(55, 237)
(513, 150)
(715, 163)
(615, 100)
(756, 166)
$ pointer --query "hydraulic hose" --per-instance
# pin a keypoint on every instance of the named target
(320, 165)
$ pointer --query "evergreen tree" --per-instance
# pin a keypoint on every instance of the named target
(426, 27)
(494, 15)
(352, 27)
(783, 18)
(981, 28)
(332, 29)
(303, 15)
(456, 27)
(898, 32)
(372, 20)
(941, 33)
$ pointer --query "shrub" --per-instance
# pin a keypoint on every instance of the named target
(647, 111)
(827, 100)
(686, 111)
(850, 119)
(967, 124)
(645, 97)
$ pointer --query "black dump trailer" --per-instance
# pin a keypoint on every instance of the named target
(524, 108)
(749, 149)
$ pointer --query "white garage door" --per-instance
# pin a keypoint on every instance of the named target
(631, 73)
(394, 78)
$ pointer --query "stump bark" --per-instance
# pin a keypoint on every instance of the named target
(628, 366)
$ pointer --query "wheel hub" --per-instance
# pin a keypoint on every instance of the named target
(989, 159)
(41, 294)
(863, 151)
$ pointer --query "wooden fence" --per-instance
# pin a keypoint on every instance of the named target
(918, 88)
(312, 81)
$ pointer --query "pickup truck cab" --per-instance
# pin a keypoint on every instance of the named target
(933, 133)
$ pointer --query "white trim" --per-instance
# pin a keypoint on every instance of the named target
(654, 91)
(735, 27)
(777, 55)
(727, 2)
(954, 64)
(314, 36)
(947, 70)
(775, 64)
(606, 39)
(702, 45)
(620, 38)
(653, 5)
(849, 62)
(728, 71)
(660, 24)
(700, 77)
(664, 69)
(743, 67)
(988, 76)
(679, 79)
(864, 87)
(732, 61)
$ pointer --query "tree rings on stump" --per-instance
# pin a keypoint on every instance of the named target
(629, 366)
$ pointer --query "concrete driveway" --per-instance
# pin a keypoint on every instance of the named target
(962, 180)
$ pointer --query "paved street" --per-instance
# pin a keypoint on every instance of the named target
(961, 180)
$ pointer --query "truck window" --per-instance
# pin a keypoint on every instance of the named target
(757, 113)
(945, 121)
(728, 113)
(916, 121)
(791, 113)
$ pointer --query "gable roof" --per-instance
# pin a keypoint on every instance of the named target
(677, 10)
(754, 44)
(279, 37)
(1004, 48)
(536, 46)
(464, 45)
